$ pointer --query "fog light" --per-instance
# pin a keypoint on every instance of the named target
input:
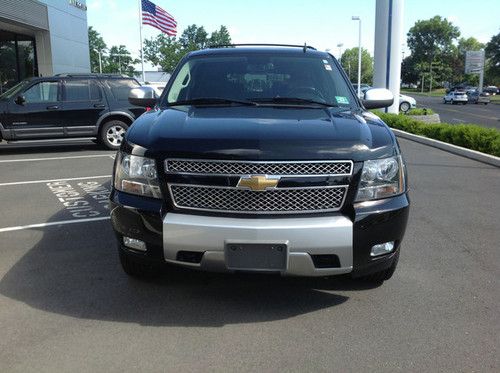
(383, 248)
(135, 244)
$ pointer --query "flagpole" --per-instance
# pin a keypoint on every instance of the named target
(140, 34)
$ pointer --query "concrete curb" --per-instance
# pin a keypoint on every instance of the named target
(458, 150)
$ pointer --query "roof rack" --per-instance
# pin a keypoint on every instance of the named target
(87, 75)
(304, 47)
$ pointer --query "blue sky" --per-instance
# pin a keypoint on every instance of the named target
(321, 23)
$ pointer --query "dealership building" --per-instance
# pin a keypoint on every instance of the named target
(42, 38)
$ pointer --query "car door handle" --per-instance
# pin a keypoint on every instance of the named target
(53, 107)
(100, 106)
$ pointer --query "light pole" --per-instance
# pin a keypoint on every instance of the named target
(119, 60)
(100, 60)
(357, 18)
(340, 45)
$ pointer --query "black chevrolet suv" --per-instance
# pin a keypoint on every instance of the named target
(69, 105)
(260, 158)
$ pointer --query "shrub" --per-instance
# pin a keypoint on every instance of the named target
(471, 136)
(419, 111)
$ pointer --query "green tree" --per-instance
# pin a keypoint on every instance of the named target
(432, 38)
(492, 52)
(96, 45)
(469, 44)
(349, 61)
(409, 70)
(163, 51)
(167, 51)
(220, 37)
(194, 38)
(120, 61)
(431, 44)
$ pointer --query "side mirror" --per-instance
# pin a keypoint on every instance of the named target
(20, 100)
(143, 96)
(376, 98)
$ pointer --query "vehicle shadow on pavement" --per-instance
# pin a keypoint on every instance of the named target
(74, 271)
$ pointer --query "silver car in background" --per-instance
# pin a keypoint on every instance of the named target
(455, 97)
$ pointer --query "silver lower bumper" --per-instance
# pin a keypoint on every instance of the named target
(303, 237)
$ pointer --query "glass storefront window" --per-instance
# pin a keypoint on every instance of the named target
(17, 59)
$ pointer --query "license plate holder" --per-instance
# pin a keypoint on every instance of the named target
(256, 256)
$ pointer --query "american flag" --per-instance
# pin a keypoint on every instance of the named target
(157, 17)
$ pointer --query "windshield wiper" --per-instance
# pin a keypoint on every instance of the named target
(212, 101)
(294, 101)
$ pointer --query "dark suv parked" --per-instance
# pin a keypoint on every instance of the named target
(69, 105)
(260, 158)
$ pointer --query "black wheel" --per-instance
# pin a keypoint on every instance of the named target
(404, 106)
(444, 101)
(111, 134)
(384, 275)
(135, 267)
(452, 102)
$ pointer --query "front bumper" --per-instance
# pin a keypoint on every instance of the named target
(347, 238)
(304, 238)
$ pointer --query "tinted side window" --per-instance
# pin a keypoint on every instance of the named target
(42, 92)
(120, 88)
(82, 90)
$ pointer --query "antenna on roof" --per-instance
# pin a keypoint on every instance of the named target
(305, 47)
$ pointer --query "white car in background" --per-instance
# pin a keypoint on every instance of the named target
(406, 103)
(455, 97)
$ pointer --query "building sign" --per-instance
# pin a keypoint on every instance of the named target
(78, 4)
(474, 61)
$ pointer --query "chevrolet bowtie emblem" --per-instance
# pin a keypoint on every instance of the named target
(258, 183)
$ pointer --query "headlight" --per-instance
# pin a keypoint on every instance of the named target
(136, 175)
(381, 178)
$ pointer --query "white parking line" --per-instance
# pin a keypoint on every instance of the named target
(57, 158)
(61, 222)
(54, 180)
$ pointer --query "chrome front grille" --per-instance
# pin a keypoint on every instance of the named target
(238, 168)
(274, 201)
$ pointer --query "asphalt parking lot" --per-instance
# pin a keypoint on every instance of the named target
(484, 115)
(66, 305)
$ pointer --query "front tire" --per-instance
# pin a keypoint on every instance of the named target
(404, 107)
(112, 133)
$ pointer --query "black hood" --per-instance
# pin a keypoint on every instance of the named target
(262, 133)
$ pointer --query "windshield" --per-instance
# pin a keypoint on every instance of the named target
(261, 78)
(13, 91)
